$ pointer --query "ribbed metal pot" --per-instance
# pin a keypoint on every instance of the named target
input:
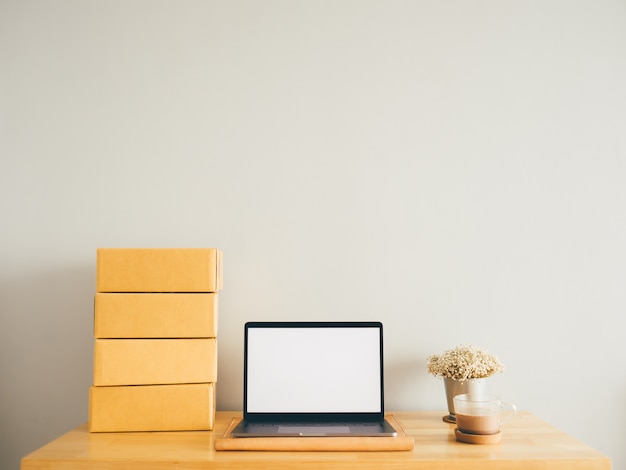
(457, 387)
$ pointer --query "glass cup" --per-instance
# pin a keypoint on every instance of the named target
(481, 414)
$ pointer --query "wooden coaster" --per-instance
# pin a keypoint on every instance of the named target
(478, 438)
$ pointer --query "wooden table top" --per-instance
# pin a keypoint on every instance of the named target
(527, 443)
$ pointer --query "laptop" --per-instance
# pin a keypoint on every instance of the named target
(313, 379)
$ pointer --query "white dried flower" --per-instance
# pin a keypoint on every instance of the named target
(464, 362)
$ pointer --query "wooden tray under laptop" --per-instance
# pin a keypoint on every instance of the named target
(331, 444)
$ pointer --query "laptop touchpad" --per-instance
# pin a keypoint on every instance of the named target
(313, 429)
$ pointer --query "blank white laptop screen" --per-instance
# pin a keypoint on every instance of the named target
(314, 370)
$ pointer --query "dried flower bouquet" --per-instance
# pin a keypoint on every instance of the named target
(463, 363)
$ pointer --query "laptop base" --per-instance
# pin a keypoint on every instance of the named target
(312, 429)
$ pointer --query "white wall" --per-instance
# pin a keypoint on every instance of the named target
(455, 169)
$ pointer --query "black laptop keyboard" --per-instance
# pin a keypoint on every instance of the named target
(317, 423)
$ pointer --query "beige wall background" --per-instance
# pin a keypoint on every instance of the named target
(454, 169)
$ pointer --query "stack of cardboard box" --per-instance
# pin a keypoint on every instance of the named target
(155, 329)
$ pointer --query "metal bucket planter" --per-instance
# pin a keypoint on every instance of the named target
(457, 387)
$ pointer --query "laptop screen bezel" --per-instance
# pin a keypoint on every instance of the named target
(303, 417)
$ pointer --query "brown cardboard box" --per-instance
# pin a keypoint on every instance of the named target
(186, 407)
(154, 361)
(158, 270)
(155, 315)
